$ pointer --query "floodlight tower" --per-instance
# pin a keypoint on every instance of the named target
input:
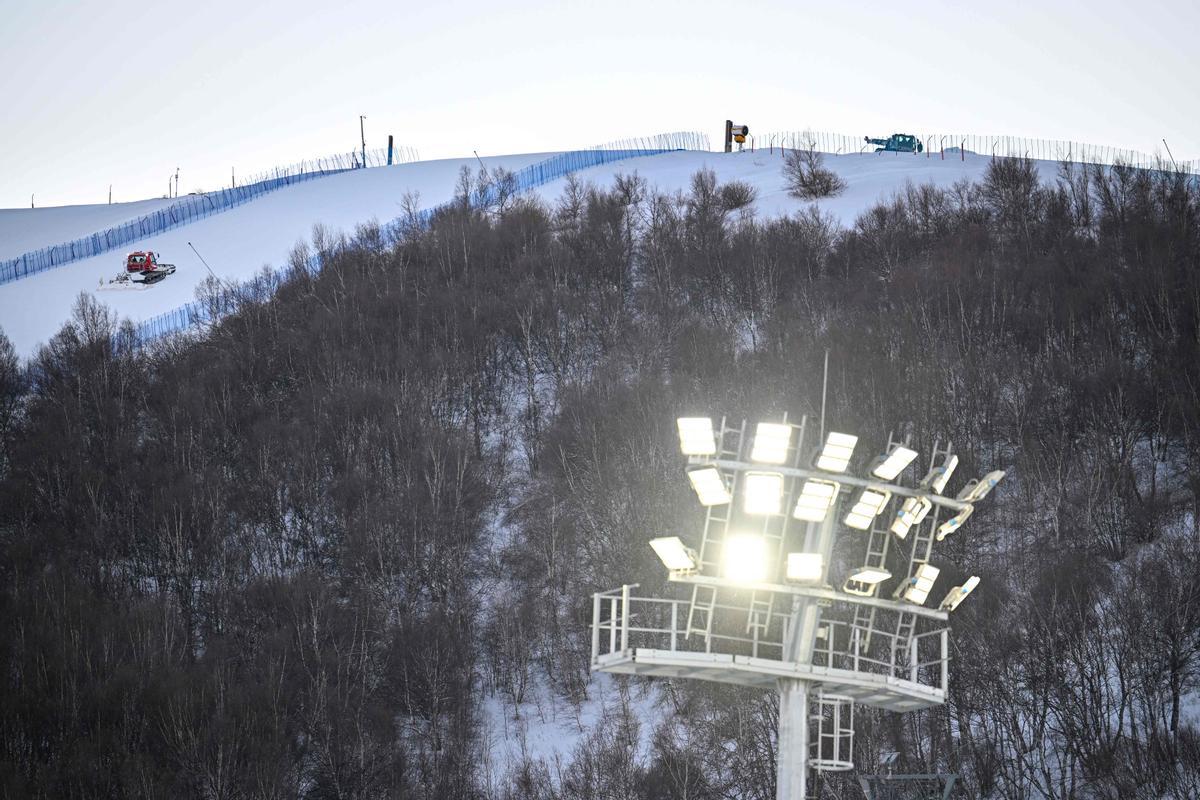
(763, 611)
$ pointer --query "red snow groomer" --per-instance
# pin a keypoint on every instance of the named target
(145, 267)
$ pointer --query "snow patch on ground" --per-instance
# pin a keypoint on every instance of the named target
(546, 729)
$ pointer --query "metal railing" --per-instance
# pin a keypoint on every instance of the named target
(622, 623)
(959, 145)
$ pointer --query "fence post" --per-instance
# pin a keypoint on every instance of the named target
(612, 624)
(595, 626)
(945, 658)
(624, 617)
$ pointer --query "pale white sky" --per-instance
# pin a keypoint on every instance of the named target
(124, 91)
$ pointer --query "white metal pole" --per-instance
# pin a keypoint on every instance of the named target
(792, 756)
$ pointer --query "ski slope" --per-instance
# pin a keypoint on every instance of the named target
(240, 242)
(25, 229)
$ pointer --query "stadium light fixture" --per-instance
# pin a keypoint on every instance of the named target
(771, 442)
(868, 505)
(696, 436)
(911, 513)
(954, 523)
(835, 454)
(816, 498)
(745, 557)
(805, 567)
(674, 554)
(916, 589)
(762, 493)
(871, 575)
(959, 593)
(709, 485)
(939, 476)
(978, 489)
(892, 464)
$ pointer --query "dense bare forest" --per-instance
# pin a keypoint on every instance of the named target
(292, 556)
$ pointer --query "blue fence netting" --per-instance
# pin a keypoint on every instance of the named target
(197, 313)
(189, 209)
(961, 144)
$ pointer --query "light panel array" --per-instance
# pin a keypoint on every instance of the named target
(954, 523)
(976, 490)
(959, 593)
(835, 455)
(893, 463)
(816, 498)
(745, 555)
(674, 554)
(916, 589)
(866, 508)
(911, 513)
(709, 485)
(696, 436)
(745, 558)
(939, 476)
(762, 493)
(771, 443)
(805, 567)
(871, 575)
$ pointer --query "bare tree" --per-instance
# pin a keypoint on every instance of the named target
(807, 176)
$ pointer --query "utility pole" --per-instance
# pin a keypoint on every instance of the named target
(177, 181)
(1172, 155)
(363, 135)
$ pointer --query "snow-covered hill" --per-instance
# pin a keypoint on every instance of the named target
(25, 229)
(238, 243)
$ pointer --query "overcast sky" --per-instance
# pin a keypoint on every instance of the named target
(122, 92)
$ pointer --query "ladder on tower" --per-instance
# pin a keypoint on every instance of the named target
(923, 537)
(716, 528)
(878, 543)
(774, 531)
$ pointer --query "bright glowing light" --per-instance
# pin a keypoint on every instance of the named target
(745, 557)
(954, 523)
(866, 508)
(762, 493)
(977, 490)
(916, 589)
(674, 554)
(709, 486)
(911, 513)
(815, 500)
(805, 567)
(894, 462)
(771, 441)
(959, 593)
(939, 476)
(696, 436)
(835, 455)
(871, 575)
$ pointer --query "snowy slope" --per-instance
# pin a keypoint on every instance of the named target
(236, 243)
(241, 241)
(870, 177)
(25, 229)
